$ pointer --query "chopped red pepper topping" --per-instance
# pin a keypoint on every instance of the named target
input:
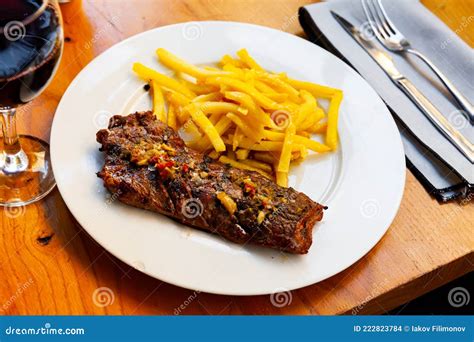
(164, 165)
(153, 160)
(249, 188)
(165, 173)
(185, 168)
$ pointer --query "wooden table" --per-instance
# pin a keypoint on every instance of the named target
(49, 265)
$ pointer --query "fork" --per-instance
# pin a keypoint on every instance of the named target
(390, 37)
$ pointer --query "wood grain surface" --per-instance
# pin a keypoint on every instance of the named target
(49, 265)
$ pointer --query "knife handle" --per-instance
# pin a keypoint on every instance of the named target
(435, 116)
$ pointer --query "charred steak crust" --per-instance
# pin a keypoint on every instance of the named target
(183, 184)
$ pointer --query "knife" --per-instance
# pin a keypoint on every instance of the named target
(384, 60)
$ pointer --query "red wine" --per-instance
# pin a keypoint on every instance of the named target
(30, 49)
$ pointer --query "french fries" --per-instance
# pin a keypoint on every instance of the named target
(162, 80)
(242, 114)
(171, 117)
(240, 165)
(285, 157)
(207, 127)
(242, 154)
(258, 165)
(333, 113)
(247, 60)
(158, 102)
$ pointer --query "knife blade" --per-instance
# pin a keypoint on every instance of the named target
(384, 60)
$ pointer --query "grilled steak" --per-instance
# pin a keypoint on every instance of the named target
(147, 165)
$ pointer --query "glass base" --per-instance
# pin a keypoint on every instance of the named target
(32, 184)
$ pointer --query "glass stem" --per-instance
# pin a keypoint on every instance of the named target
(12, 159)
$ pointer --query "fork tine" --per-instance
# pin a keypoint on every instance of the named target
(373, 22)
(383, 17)
(390, 25)
(380, 19)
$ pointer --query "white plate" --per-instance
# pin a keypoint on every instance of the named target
(362, 183)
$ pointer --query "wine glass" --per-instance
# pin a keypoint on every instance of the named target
(31, 44)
